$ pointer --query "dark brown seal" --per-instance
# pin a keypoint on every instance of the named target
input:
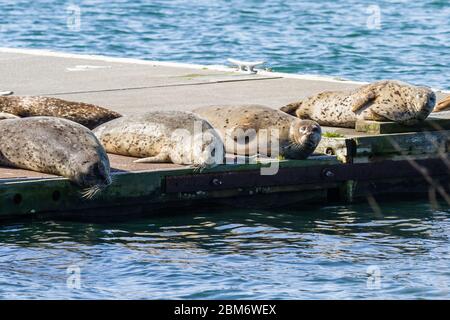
(88, 115)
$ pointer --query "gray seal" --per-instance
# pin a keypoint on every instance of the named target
(386, 100)
(88, 115)
(163, 136)
(297, 139)
(55, 146)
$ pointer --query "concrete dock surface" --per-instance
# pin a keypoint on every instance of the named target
(129, 85)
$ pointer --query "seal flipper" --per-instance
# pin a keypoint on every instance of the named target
(443, 105)
(384, 111)
(362, 99)
(291, 108)
(4, 115)
(162, 157)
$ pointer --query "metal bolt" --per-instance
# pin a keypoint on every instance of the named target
(329, 174)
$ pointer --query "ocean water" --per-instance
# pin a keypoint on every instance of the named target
(401, 250)
(356, 39)
(343, 252)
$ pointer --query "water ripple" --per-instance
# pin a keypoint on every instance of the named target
(319, 253)
(326, 37)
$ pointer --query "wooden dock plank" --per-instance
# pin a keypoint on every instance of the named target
(370, 148)
(32, 197)
(432, 123)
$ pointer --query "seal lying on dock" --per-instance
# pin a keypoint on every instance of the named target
(55, 146)
(297, 138)
(88, 115)
(163, 136)
(380, 101)
(443, 105)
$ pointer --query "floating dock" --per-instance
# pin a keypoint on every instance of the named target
(374, 160)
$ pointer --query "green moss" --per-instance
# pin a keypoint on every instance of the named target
(332, 135)
(192, 75)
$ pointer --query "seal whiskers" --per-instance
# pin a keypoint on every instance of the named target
(90, 192)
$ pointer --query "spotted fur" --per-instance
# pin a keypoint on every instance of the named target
(380, 101)
(88, 115)
(297, 138)
(55, 146)
(154, 136)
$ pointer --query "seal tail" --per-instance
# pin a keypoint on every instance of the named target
(443, 105)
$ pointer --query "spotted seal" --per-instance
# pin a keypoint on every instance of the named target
(179, 137)
(297, 139)
(386, 100)
(55, 146)
(88, 115)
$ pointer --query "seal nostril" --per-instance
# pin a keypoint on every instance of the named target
(17, 199)
(56, 195)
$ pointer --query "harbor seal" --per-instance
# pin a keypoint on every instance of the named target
(163, 136)
(443, 105)
(88, 115)
(297, 139)
(55, 146)
(386, 100)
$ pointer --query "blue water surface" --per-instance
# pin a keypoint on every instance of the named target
(400, 250)
(357, 39)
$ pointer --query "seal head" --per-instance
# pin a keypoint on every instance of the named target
(305, 136)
